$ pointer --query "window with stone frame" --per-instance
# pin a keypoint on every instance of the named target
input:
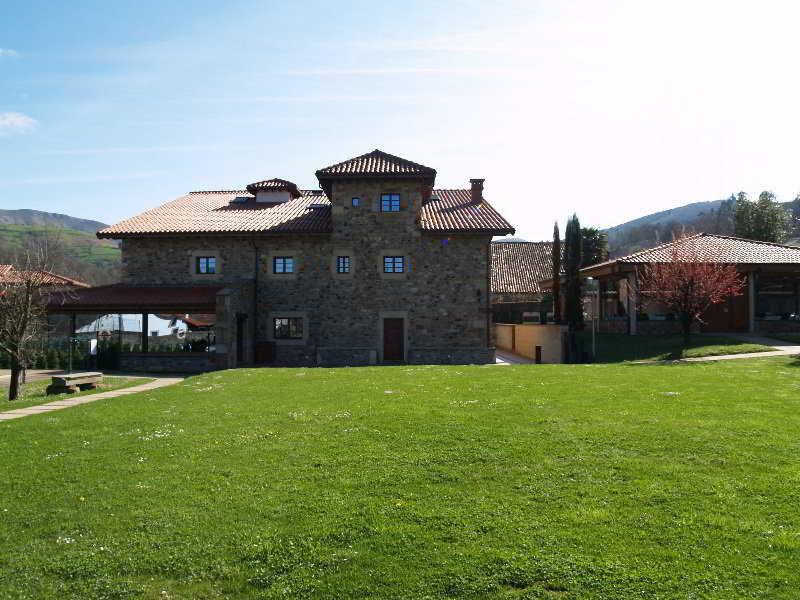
(205, 265)
(343, 264)
(287, 328)
(394, 264)
(282, 265)
(390, 203)
(355, 202)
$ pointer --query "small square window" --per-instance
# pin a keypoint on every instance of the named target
(394, 264)
(354, 202)
(282, 265)
(342, 264)
(390, 202)
(206, 265)
(288, 328)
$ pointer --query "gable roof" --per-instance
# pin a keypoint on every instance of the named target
(376, 164)
(711, 248)
(219, 212)
(520, 267)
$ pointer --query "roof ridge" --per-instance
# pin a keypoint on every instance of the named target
(377, 153)
(741, 239)
(218, 192)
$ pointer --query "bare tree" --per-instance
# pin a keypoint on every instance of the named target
(23, 312)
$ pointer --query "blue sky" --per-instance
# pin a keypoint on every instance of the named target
(610, 109)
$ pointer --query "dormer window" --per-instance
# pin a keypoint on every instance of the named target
(390, 202)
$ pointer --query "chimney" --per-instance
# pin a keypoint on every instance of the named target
(477, 190)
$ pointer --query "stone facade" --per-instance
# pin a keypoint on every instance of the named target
(443, 297)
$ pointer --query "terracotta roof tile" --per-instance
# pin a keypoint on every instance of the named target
(453, 211)
(519, 267)
(377, 164)
(714, 248)
(228, 212)
(9, 275)
(274, 185)
(236, 212)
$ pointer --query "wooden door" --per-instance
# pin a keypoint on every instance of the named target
(393, 340)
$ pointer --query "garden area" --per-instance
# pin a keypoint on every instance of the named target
(612, 347)
(547, 481)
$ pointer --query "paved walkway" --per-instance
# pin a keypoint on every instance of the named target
(781, 349)
(31, 375)
(18, 413)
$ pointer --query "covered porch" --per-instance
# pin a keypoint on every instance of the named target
(770, 303)
(197, 345)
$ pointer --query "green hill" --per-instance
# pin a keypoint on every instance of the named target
(71, 252)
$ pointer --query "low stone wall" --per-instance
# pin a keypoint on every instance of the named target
(450, 356)
(167, 362)
(523, 340)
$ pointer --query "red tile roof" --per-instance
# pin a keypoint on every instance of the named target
(711, 248)
(376, 164)
(123, 299)
(9, 275)
(236, 212)
(228, 212)
(453, 211)
(274, 185)
(519, 267)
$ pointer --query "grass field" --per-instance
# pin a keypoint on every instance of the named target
(81, 245)
(619, 348)
(551, 481)
(34, 393)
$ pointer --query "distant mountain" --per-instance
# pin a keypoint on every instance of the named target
(38, 218)
(714, 216)
(73, 248)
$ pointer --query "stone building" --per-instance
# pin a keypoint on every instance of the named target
(518, 268)
(375, 267)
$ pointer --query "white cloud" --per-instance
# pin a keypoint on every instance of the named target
(8, 53)
(14, 122)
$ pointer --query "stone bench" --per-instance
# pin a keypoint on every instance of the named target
(69, 384)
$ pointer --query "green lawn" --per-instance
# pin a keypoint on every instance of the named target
(618, 347)
(34, 393)
(549, 481)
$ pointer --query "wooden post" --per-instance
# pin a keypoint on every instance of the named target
(144, 332)
(632, 311)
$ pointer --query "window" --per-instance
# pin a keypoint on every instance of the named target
(283, 264)
(393, 264)
(390, 202)
(354, 202)
(342, 264)
(288, 328)
(206, 265)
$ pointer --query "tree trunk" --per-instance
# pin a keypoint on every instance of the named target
(686, 327)
(13, 386)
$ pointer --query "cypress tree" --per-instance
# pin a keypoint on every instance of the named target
(556, 274)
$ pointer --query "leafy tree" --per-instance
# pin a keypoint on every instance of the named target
(556, 274)
(594, 246)
(764, 220)
(689, 282)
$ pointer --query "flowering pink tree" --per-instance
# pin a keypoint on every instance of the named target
(688, 281)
